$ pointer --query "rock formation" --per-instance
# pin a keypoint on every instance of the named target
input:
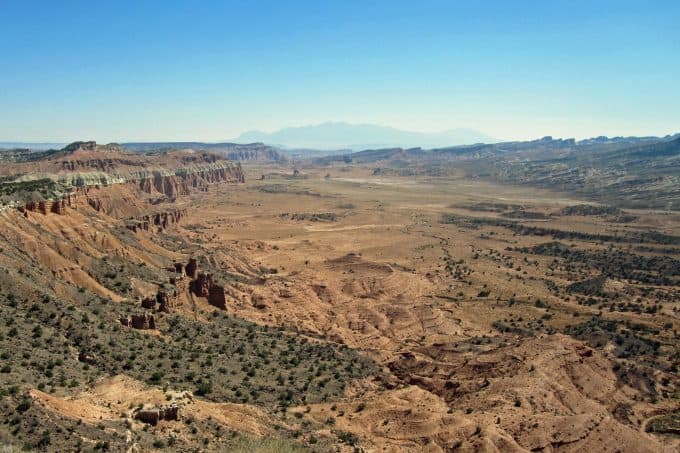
(201, 285)
(57, 206)
(156, 222)
(144, 321)
(152, 416)
(204, 286)
(150, 302)
(167, 300)
(217, 297)
(191, 268)
(60, 178)
(169, 297)
(187, 279)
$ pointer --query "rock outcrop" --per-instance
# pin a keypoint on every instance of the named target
(204, 286)
(167, 301)
(156, 222)
(143, 322)
(55, 206)
(187, 279)
(150, 302)
(152, 416)
(191, 268)
(217, 297)
(168, 297)
(201, 285)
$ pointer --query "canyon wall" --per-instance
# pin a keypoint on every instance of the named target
(168, 182)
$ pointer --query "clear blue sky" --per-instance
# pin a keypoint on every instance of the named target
(115, 70)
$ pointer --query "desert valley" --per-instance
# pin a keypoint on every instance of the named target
(519, 296)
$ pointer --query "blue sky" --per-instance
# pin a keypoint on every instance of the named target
(115, 70)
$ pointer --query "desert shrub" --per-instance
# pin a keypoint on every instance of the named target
(204, 387)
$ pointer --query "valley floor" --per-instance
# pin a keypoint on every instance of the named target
(362, 312)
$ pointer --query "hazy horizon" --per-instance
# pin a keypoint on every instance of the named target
(240, 137)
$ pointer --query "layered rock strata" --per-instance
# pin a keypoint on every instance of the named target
(73, 188)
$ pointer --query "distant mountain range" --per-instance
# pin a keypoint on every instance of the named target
(338, 136)
(322, 137)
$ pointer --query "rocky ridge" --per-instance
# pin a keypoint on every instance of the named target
(58, 182)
